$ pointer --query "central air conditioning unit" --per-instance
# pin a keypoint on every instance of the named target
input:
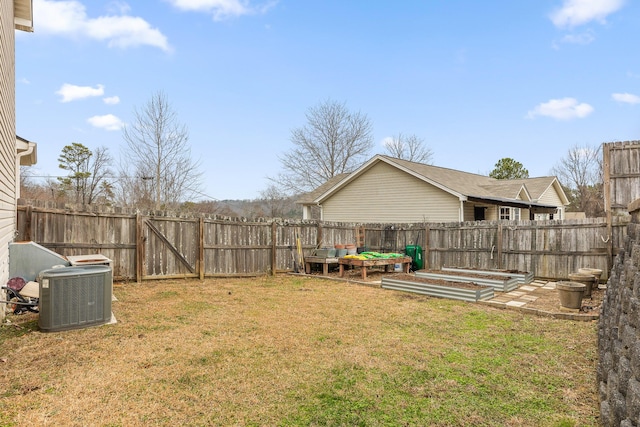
(74, 297)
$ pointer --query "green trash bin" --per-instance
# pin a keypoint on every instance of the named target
(415, 252)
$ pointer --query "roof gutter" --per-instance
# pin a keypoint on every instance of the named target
(537, 207)
(26, 152)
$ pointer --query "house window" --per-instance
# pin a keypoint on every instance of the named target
(547, 216)
(509, 213)
(479, 213)
(504, 213)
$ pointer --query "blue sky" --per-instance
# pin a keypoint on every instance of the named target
(477, 81)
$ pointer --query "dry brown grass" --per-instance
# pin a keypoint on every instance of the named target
(293, 351)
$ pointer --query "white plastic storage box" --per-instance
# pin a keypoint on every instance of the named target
(90, 259)
(74, 297)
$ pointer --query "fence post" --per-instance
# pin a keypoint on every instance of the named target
(139, 249)
(27, 224)
(606, 165)
(499, 247)
(274, 247)
(201, 265)
(319, 235)
(427, 253)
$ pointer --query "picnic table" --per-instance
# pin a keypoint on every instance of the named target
(364, 263)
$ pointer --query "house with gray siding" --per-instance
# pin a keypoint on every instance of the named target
(390, 190)
(14, 151)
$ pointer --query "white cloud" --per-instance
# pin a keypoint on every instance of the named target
(221, 9)
(578, 12)
(627, 98)
(119, 7)
(106, 122)
(111, 100)
(71, 92)
(69, 18)
(561, 109)
(582, 38)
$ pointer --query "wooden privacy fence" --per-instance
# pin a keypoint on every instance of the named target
(155, 245)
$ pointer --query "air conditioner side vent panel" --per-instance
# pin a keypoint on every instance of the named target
(75, 297)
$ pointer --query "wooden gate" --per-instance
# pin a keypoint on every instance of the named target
(168, 248)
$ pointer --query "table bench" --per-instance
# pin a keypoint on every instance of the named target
(364, 263)
(308, 260)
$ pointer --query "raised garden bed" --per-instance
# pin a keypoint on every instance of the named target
(463, 291)
(522, 276)
(497, 282)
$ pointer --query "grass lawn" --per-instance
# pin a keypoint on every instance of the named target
(290, 351)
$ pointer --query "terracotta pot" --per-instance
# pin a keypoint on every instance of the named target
(570, 294)
(587, 279)
(596, 272)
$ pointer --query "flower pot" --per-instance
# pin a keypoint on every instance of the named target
(587, 279)
(596, 272)
(571, 294)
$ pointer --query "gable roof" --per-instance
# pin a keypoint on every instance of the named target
(508, 190)
(539, 186)
(308, 198)
(463, 185)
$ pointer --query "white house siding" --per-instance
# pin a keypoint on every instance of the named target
(387, 195)
(551, 197)
(7, 138)
(470, 213)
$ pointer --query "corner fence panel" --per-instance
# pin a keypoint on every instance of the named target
(79, 233)
(156, 245)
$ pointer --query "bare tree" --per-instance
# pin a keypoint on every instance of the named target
(32, 190)
(409, 147)
(278, 204)
(333, 141)
(158, 157)
(580, 173)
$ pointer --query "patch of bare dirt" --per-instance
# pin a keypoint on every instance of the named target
(549, 301)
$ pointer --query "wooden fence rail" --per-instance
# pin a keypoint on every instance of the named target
(156, 245)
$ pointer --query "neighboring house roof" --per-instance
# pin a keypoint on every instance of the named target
(308, 198)
(539, 186)
(509, 190)
(464, 185)
(23, 15)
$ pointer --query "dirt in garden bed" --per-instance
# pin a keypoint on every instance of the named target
(496, 270)
(440, 282)
(467, 274)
